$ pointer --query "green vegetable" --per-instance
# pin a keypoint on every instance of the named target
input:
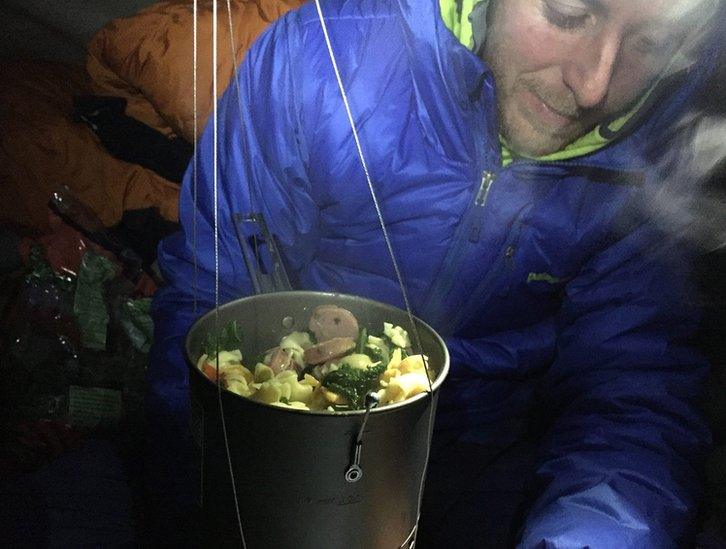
(362, 339)
(354, 383)
(378, 350)
(228, 339)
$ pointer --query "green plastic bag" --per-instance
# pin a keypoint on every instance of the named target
(135, 318)
(89, 304)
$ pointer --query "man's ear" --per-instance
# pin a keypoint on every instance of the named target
(479, 19)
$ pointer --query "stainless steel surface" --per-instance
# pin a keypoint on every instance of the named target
(263, 260)
(290, 465)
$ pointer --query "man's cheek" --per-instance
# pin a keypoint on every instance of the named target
(525, 44)
(624, 90)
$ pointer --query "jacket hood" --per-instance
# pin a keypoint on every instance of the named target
(672, 99)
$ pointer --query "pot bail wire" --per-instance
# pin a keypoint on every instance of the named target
(354, 472)
(394, 261)
(215, 120)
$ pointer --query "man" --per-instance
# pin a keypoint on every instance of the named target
(514, 186)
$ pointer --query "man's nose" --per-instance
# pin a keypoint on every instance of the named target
(589, 70)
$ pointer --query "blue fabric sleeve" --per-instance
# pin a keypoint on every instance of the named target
(620, 466)
(257, 148)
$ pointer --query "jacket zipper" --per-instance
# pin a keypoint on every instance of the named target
(488, 179)
(473, 219)
(482, 196)
(485, 186)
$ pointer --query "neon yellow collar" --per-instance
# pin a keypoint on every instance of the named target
(458, 23)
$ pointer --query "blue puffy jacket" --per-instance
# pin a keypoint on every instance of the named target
(552, 283)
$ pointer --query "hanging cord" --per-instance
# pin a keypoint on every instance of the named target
(195, 277)
(387, 239)
(374, 197)
(235, 79)
(216, 265)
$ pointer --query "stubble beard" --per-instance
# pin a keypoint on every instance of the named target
(524, 132)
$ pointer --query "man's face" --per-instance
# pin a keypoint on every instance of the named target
(563, 66)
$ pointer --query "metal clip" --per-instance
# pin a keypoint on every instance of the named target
(354, 473)
(263, 260)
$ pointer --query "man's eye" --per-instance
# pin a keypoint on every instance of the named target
(564, 16)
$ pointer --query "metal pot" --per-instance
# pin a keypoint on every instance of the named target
(290, 466)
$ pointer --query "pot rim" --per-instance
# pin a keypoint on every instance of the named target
(191, 364)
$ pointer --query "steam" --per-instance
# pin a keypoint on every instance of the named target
(698, 19)
(696, 11)
(690, 202)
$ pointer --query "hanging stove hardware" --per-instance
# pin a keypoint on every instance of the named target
(295, 484)
(285, 478)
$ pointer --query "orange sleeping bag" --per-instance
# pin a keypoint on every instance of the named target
(145, 59)
(42, 148)
(148, 58)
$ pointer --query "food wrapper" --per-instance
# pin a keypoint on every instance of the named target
(75, 343)
(94, 407)
(135, 318)
(89, 305)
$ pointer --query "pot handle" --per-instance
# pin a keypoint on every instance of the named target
(355, 472)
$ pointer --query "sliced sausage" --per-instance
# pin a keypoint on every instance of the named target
(282, 360)
(328, 350)
(329, 321)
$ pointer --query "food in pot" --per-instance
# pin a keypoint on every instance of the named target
(332, 366)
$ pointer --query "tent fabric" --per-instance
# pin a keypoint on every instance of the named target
(42, 148)
(148, 58)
